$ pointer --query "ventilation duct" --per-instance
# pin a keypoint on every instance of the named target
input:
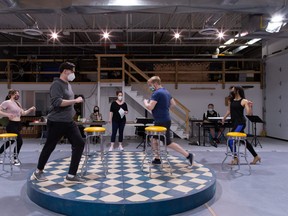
(32, 26)
(209, 25)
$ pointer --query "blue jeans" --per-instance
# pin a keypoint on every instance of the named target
(240, 128)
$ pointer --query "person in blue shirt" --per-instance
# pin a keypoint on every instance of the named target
(159, 104)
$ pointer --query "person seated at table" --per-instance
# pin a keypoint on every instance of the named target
(216, 131)
(96, 115)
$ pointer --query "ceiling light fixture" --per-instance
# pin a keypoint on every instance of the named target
(124, 2)
(176, 35)
(232, 40)
(275, 24)
(105, 35)
(250, 42)
(54, 36)
(221, 35)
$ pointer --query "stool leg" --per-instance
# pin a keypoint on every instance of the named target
(245, 154)
(144, 158)
(11, 158)
(84, 166)
(4, 155)
(146, 154)
(238, 152)
(166, 155)
(227, 151)
(102, 155)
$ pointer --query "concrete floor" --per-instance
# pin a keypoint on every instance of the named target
(263, 192)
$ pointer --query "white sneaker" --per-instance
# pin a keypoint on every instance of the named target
(121, 148)
(1, 161)
(16, 162)
(111, 148)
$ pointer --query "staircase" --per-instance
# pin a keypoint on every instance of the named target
(138, 96)
(138, 90)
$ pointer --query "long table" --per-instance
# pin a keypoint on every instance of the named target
(203, 126)
(93, 123)
(80, 123)
(86, 123)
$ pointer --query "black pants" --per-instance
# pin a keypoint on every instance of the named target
(14, 127)
(55, 131)
(115, 126)
(167, 125)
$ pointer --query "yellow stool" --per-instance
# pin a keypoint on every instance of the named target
(89, 133)
(237, 138)
(150, 152)
(9, 137)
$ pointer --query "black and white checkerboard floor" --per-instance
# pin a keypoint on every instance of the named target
(126, 189)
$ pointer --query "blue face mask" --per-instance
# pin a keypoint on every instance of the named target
(152, 88)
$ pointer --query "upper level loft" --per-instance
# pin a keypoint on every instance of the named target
(118, 68)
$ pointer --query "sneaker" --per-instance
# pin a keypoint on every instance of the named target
(16, 162)
(190, 158)
(39, 176)
(74, 179)
(121, 148)
(111, 148)
(156, 161)
(214, 143)
(1, 161)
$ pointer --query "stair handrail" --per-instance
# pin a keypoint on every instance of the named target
(182, 107)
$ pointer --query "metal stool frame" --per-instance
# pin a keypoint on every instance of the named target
(237, 138)
(149, 152)
(9, 137)
(89, 133)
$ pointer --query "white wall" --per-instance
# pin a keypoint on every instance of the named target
(277, 96)
(195, 100)
(272, 46)
(276, 54)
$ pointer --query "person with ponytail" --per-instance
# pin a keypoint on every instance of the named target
(11, 105)
(237, 105)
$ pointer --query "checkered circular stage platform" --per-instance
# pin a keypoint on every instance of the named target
(126, 190)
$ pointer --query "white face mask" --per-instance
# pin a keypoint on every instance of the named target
(71, 77)
(120, 98)
(210, 110)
